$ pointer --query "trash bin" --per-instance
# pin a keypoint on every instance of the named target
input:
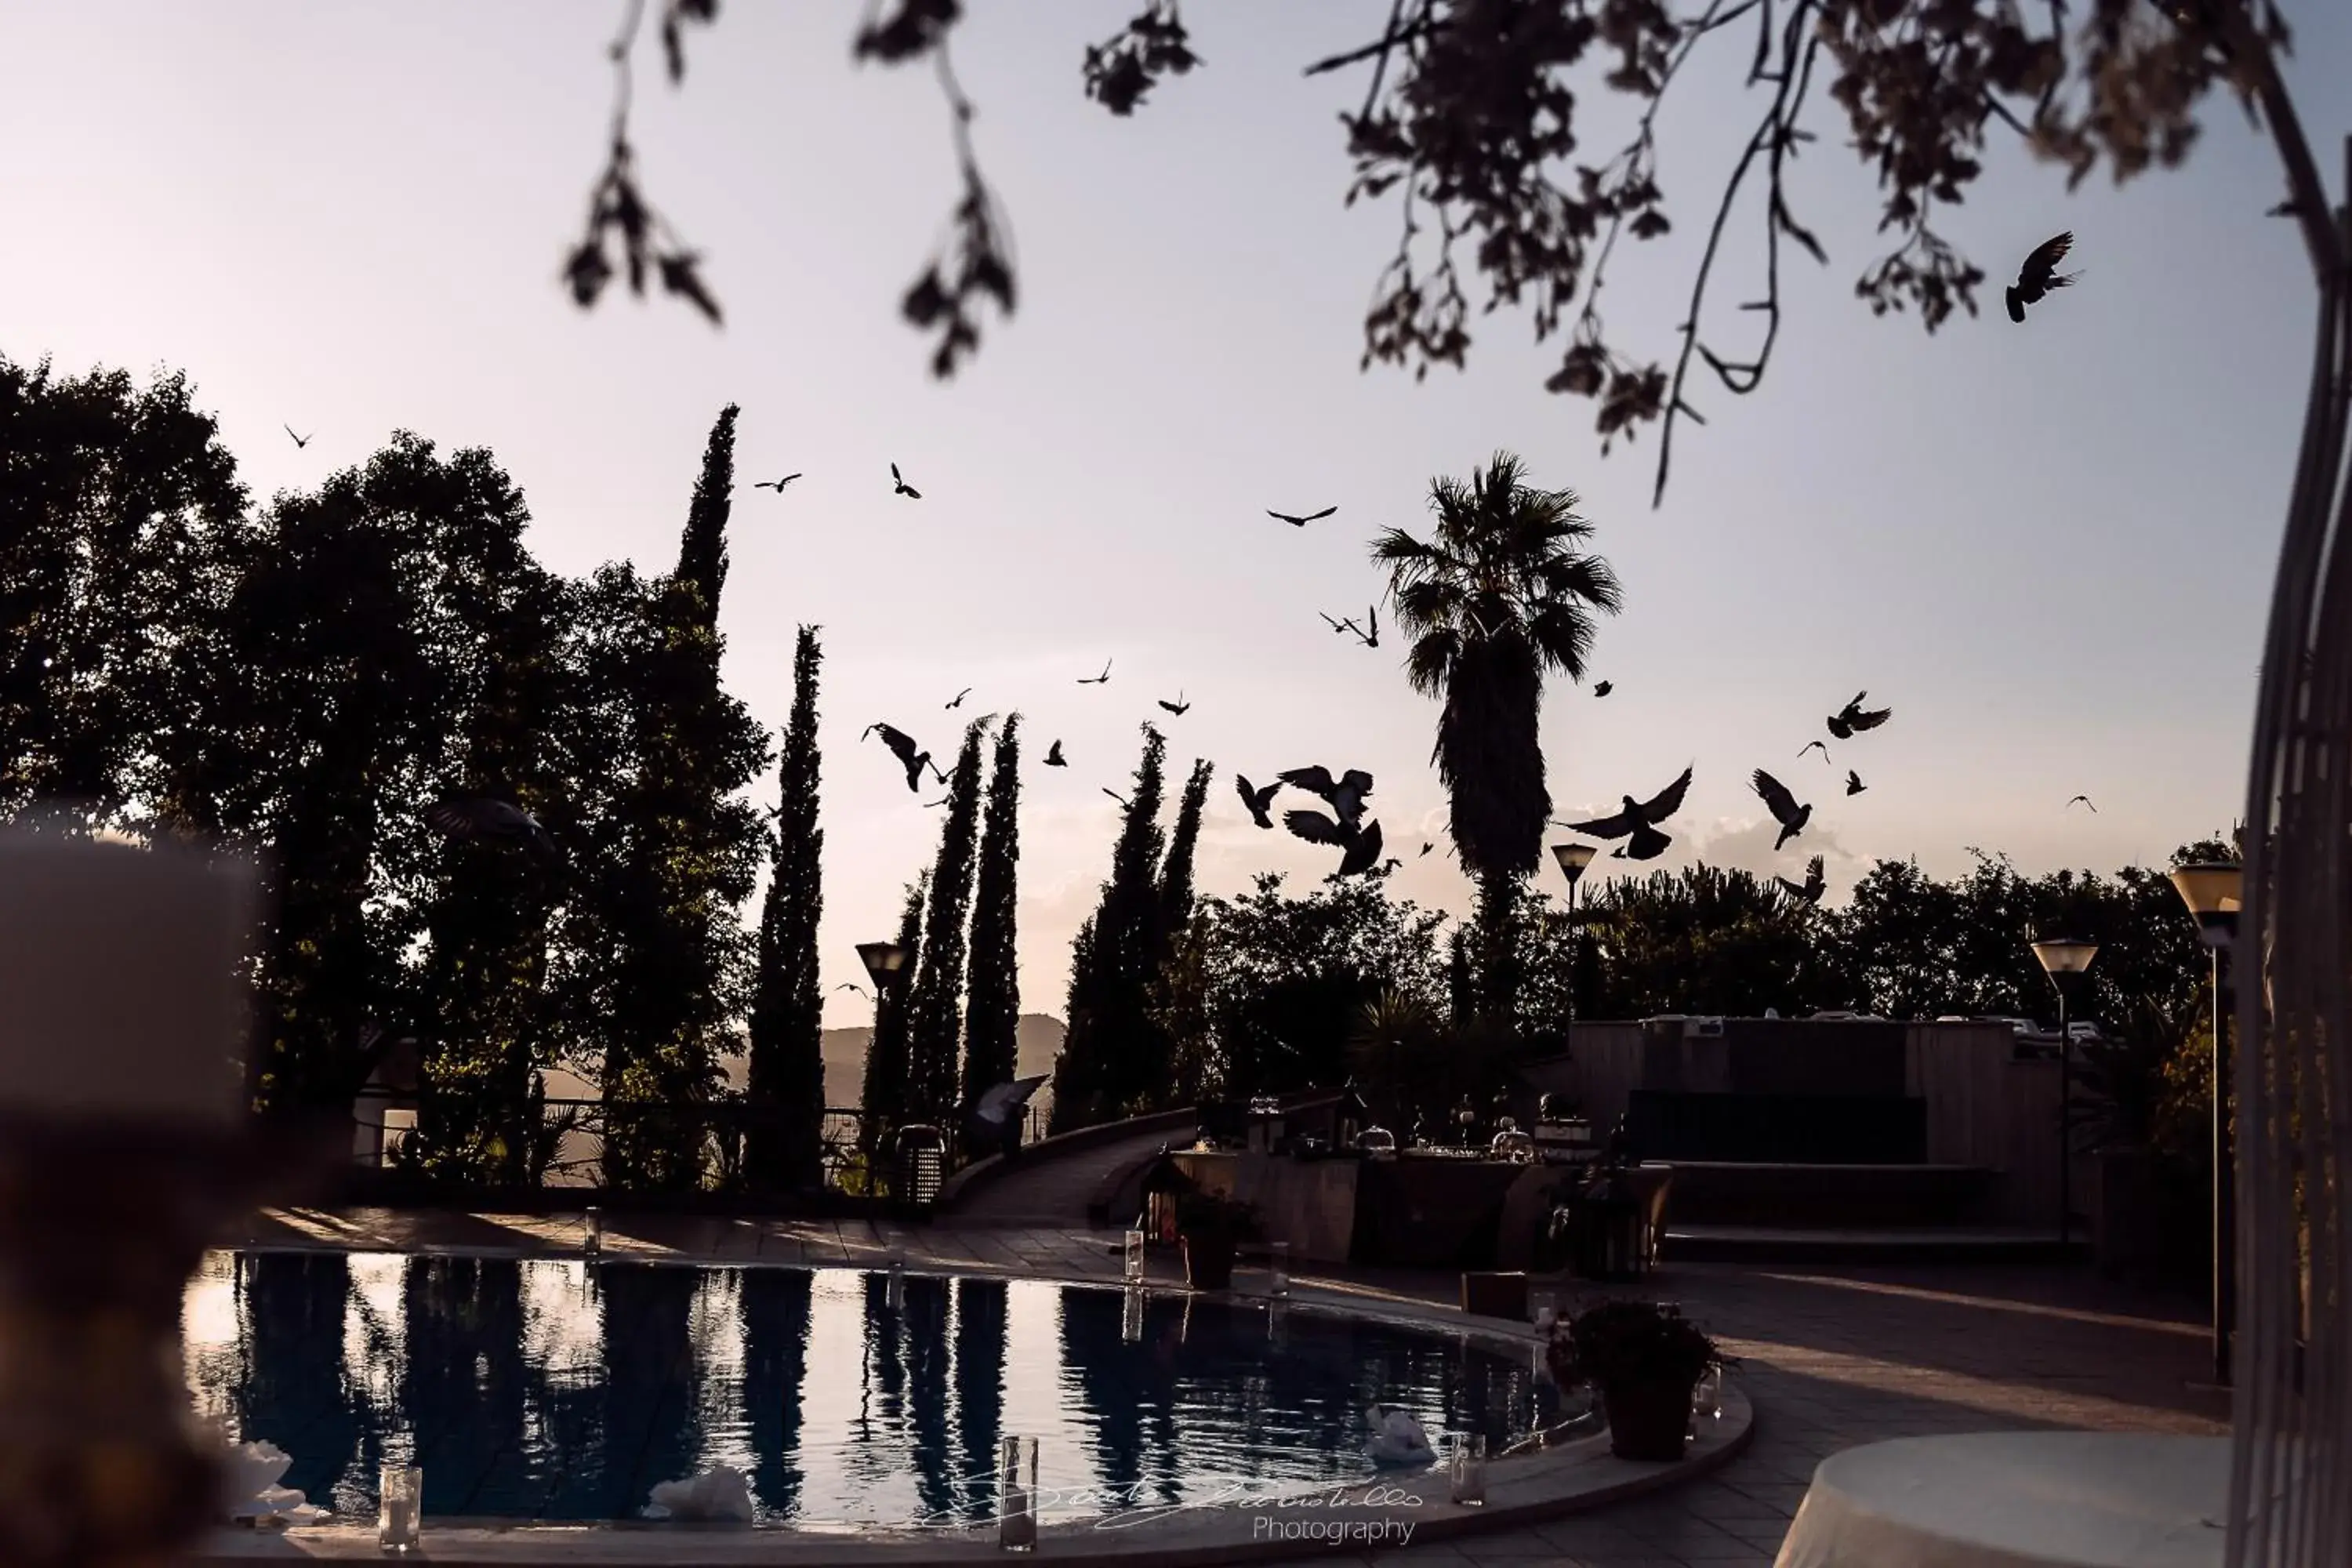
(921, 1165)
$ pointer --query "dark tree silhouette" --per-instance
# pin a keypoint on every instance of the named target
(935, 1024)
(884, 1097)
(1176, 868)
(777, 1306)
(1098, 1076)
(786, 1083)
(991, 1015)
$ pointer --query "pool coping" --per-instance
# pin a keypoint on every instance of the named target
(1522, 1489)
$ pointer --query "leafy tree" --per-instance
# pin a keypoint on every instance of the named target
(786, 1081)
(884, 1099)
(1098, 1076)
(1498, 596)
(935, 1025)
(1700, 940)
(1180, 1016)
(992, 1016)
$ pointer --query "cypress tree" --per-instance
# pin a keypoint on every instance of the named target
(991, 1015)
(702, 549)
(1097, 1077)
(1155, 1081)
(1176, 870)
(934, 1024)
(787, 1068)
(884, 1099)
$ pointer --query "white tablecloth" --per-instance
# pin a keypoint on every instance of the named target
(2016, 1500)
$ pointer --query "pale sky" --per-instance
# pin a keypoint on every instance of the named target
(2048, 547)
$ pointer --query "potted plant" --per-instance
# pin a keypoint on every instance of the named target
(1212, 1227)
(2119, 1084)
(1644, 1358)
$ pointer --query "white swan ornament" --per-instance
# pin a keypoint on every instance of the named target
(251, 1492)
(719, 1495)
(1397, 1438)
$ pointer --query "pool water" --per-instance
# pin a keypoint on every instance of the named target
(553, 1390)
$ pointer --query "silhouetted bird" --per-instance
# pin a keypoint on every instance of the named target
(1391, 864)
(853, 986)
(930, 805)
(904, 488)
(1638, 822)
(1345, 794)
(1853, 719)
(480, 818)
(1362, 845)
(1854, 784)
(1054, 758)
(1810, 892)
(1180, 707)
(903, 746)
(1602, 688)
(1372, 619)
(1812, 745)
(1257, 800)
(1363, 852)
(1783, 807)
(1342, 627)
(2040, 275)
(960, 695)
(1426, 847)
(2086, 801)
(1097, 679)
(1300, 521)
(775, 485)
(1116, 796)
(300, 441)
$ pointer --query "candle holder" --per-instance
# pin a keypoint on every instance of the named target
(1706, 1399)
(400, 1509)
(1133, 1260)
(1466, 1469)
(1016, 1494)
(592, 1231)
(1131, 1317)
(1277, 1264)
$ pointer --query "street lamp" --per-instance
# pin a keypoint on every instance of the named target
(2065, 959)
(2213, 890)
(1573, 859)
(885, 961)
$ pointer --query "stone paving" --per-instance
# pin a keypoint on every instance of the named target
(1831, 1356)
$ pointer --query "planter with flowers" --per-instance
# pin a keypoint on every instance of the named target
(1212, 1227)
(1643, 1359)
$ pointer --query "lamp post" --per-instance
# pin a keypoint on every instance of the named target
(1573, 859)
(885, 961)
(2065, 959)
(2213, 890)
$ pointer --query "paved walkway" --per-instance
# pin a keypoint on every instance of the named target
(1832, 1356)
(1053, 1192)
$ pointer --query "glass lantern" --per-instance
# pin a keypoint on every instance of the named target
(1277, 1265)
(1706, 1399)
(1132, 1270)
(400, 1507)
(1016, 1494)
(1466, 1469)
(1513, 1145)
(1377, 1142)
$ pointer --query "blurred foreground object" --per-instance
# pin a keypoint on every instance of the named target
(125, 1139)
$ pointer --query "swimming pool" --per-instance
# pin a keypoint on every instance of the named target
(554, 1390)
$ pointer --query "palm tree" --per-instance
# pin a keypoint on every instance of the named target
(1498, 597)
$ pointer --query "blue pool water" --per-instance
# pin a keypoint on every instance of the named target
(548, 1390)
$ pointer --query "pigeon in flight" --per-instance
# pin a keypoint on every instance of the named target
(1345, 794)
(2086, 801)
(2040, 275)
(484, 817)
(960, 697)
(1180, 707)
(1361, 844)
(300, 441)
(904, 488)
(934, 805)
(1783, 805)
(1854, 784)
(1300, 521)
(1097, 679)
(1116, 796)
(1602, 688)
(853, 986)
(1426, 847)
(1363, 853)
(1054, 758)
(1825, 750)
(902, 745)
(1853, 719)
(1342, 627)
(1257, 800)
(1372, 619)
(1810, 891)
(1638, 822)
(775, 485)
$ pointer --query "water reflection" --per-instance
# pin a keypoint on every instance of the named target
(564, 1390)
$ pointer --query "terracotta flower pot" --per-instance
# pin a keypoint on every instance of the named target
(1209, 1262)
(1647, 1420)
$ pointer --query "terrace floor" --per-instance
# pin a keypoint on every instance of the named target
(1832, 1356)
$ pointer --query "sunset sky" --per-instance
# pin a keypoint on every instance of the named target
(2048, 547)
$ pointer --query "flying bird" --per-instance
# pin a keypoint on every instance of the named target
(904, 488)
(1825, 750)
(1097, 679)
(1054, 758)
(1363, 852)
(1361, 844)
(1257, 800)
(1853, 718)
(1345, 794)
(1300, 521)
(1342, 627)
(1372, 619)
(960, 695)
(1854, 784)
(1426, 847)
(1180, 707)
(2040, 275)
(933, 804)
(300, 441)
(2086, 801)
(1783, 805)
(1116, 796)
(1810, 891)
(903, 746)
(775, 485)
(1638, 822)
(483, 817)
(853, 986)
(1602, 688)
